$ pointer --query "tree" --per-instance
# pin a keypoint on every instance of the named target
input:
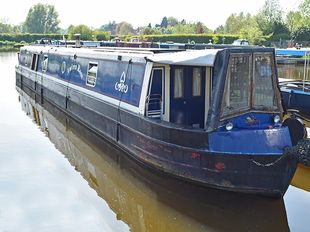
(235, 23)
(42, 18)
(184, 28)
(304, 8)
(124, 28)
(293, 21)
(164, 22)
(52, 21)
(270, 16)
(220, 30)
(304, 12)
(5, 28)
(298, 22)
(172, 21)
(86, 32)
(253, 35)
(200, 28)
(102, 35)
(110, 27)
(149, 31)
(302, 35)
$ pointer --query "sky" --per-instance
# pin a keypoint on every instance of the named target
(95, 13)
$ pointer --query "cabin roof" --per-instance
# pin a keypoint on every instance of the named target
(204, 57)
(93, 53)
(189, 57)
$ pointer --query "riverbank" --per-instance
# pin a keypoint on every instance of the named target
(10, 46)
(8, 49)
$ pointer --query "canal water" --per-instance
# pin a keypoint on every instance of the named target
(293, 70)
(55, 175)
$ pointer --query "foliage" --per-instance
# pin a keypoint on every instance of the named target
(220, 29)
(270, 16)
(215, 39)
(200, 28)
(293, 22)
(6, 46)
(102, 35)
(172, 21)
(245, 26)
(164, 22)
(42, 18)
(235, 23)
(182, 29)
(124, 28)
(28, 38)
(185, 38)
(254, 35)
(7, 43)
(302, 35)
(5, 28)
(263, 28)
(85, 32)
(110, 27)
(149, 31)
(304, 9)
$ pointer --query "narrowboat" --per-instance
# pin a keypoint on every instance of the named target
(212, 117)
(296, 93)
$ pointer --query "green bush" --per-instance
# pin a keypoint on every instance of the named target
(28, 38)
(102, 35)
(7, 43)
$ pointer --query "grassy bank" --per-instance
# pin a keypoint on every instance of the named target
(8, 49)
(7, 46)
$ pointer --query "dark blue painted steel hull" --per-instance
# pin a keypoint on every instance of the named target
(181, 153)
(296, 100)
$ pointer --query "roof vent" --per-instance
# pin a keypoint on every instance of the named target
(77, 38)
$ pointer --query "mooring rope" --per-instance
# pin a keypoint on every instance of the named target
(120, 100)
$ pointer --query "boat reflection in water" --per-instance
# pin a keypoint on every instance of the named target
(144, 200)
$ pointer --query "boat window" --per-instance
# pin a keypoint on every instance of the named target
(178, 83)
(238, 84)
(263, 94)
(27, 58)
(92, 74)
(63, 67)
(24, 59)
(34, 62)
(45, 63)
(197, 72)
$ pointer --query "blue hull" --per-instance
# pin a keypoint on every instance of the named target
(296, 99)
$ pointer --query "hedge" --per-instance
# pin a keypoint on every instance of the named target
(28, 38)
(197, 38)
(177, 38)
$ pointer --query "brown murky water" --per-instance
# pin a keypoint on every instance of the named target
(55, 175)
